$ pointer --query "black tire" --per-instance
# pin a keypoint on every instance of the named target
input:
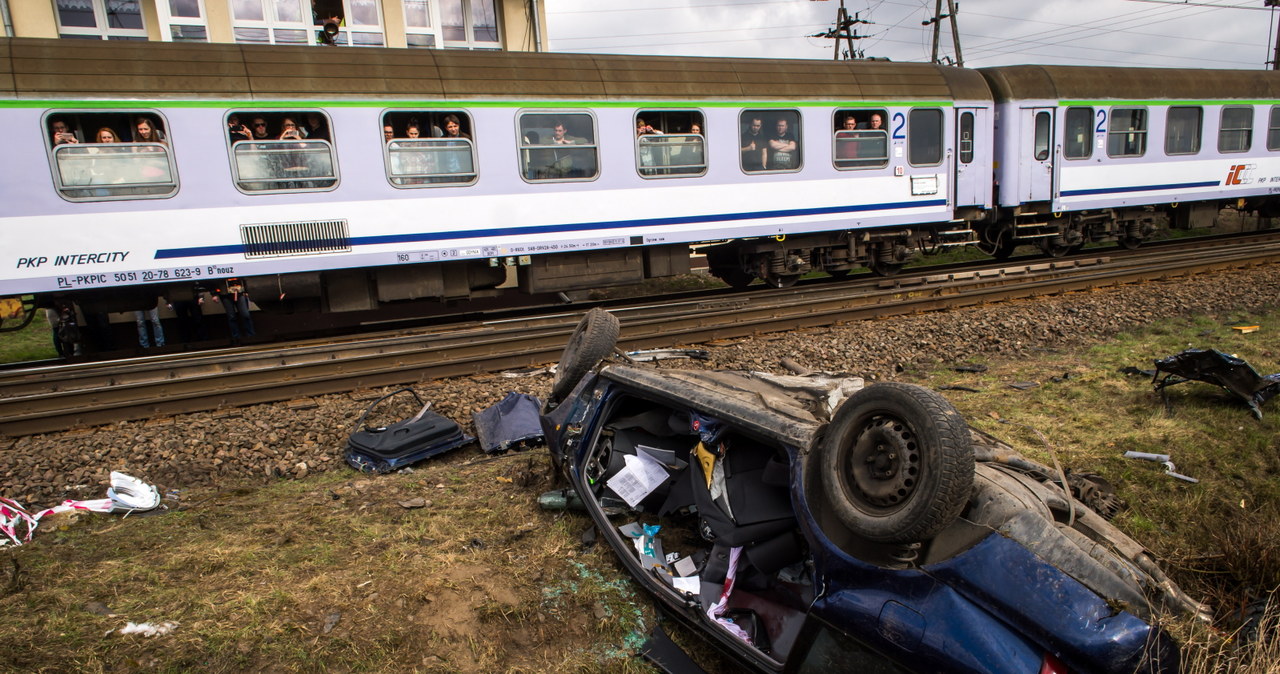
(591, 342)
(897, 463)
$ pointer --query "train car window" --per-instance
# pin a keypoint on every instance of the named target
(670, 143)
(1182, 130)
(111, 155)
(1273, 129)
(861, 139)
(1235, 133)
(429, 148)
(281, 151)
(924, 137)
(770, 141)
(1127, 132)
(558, 146)
(966, 138)
(1043, 136)
(1078, 134)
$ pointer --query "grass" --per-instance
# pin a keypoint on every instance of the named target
(34, 342)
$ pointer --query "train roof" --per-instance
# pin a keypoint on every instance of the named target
(1029, 82)
(32, 68)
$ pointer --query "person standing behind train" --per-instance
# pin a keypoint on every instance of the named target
(190, 316)
(142, 318)
(235, 303)
(782, 148)
(753, 146)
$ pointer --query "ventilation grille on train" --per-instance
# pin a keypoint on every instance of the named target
(295, 238)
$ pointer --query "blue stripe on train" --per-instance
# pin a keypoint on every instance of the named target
(234, 249)
(1137, 188)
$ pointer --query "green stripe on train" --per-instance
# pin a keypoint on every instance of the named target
(452, 104)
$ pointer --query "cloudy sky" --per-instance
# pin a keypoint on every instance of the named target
(1225, 34)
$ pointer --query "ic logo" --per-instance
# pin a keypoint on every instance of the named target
(1239, 174)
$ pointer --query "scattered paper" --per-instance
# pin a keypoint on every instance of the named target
(637, 479)
(149, 630)
(688, 584)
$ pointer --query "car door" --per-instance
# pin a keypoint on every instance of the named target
(1036, 157)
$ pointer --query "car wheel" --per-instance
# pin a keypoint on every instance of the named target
(897, 463)
(593, 340)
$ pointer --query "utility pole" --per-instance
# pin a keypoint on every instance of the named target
(1275, 54)
(845, 28)
(936, 22)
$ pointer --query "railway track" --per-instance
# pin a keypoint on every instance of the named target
(46, 399)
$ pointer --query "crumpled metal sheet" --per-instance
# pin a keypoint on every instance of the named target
(513, 420)
(1215, 367)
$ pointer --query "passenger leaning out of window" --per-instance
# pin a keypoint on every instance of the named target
(782, 147)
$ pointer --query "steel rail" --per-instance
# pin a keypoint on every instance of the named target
(52, 399)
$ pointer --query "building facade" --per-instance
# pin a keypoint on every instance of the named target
(514, 25)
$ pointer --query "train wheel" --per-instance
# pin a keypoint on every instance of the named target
(886, 268)
(838, 273)
(591, 342)
(1130, 242)
(782, 280)
(1056, 249)
(736, 278)
(897, 463)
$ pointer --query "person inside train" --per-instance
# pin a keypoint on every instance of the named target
(316, 128)
(289, 130)
(236, 131)
(560, 135)
(782, 148)
(645, 129)
(846, 147)
(259, 128)
(875, 123)
(388, 133)
(453, 127)
(695, 129)
(106, 135)
(145, 131)
(62, 133)
(413, 130)
(753, 146)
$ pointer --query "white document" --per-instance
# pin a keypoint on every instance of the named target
(688, 585)
(638, 478)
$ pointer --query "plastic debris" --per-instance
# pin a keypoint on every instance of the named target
(127, 494)
(148, 629)
(511, 422)
(1162, 459)
(651, 355)
(387, 448)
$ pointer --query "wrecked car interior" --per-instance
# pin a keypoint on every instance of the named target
(811, 523)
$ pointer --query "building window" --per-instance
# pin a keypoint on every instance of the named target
(1077, 141)
(670, 143)
(558, 146)
(429, 148)
(100, 19)
(924, 137)
(1235, 134)
(1182, 130)
(271, 21)
(861, 139)
(184, 20)
(1127, 132)
(453, 24)
(355, 23)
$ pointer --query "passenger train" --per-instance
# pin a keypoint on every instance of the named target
(341, 180)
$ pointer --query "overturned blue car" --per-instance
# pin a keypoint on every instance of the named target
(810, 524)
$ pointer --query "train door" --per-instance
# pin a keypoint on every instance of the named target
(971, 183)
(1036, 156)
